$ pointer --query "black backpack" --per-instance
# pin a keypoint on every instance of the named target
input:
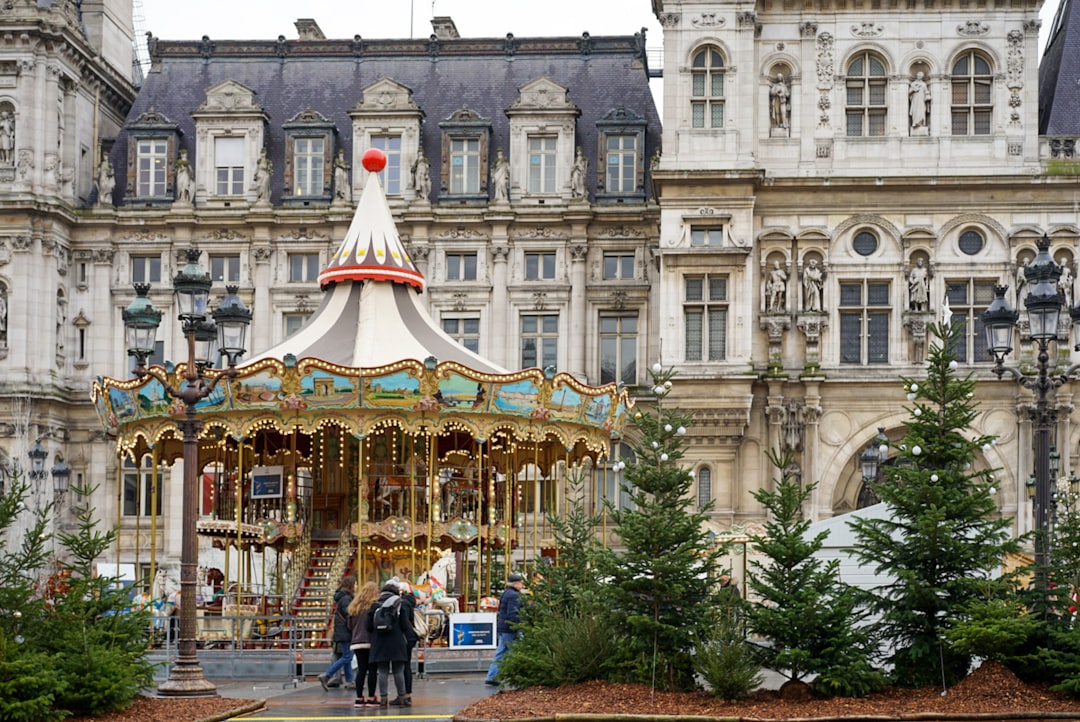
(386, 614)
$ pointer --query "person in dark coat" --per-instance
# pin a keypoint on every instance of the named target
(390, 650)
(359, 611)
(408, 608)
(509, 616)
(342, 636)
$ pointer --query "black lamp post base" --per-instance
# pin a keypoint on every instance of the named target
(186, 680)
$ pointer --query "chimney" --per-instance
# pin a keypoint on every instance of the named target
(309, 29)
(444, 28)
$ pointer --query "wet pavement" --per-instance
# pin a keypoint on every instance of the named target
(435, 697)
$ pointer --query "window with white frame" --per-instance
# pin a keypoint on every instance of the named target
(139, 481)
(542, 164)
(622, 164)
(146, 269)
(152, 161)
(303, 267)
(867, 90)
(390, 175)
(972, 81)
(864, 322)
(704, 486)
(539, 340)
(968, 298)
(539, 266)
(293, 322)
(309, 156)
(618, 348)
(460, 266)
(464, 166)
(701, 236)
(707, 89)
(618, 266)
(224, 268)
(705, 314)
(229, 166)
(465, 330)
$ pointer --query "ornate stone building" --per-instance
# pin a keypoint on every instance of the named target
(832, 176)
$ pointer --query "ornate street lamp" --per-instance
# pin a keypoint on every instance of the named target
(1043, 312)
(204, 336)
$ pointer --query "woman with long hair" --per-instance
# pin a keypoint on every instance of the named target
(359, 610)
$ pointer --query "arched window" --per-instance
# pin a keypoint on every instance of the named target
(972, 79)
(707, 91)
(704, 486)
(867, 87)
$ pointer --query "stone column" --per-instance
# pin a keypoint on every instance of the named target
(497, 331)
(576, 337)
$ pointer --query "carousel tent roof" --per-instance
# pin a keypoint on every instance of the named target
(372, 314)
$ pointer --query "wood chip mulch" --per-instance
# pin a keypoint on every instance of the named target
(991, 691)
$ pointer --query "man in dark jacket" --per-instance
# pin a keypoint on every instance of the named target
(509, 609)
(342, 636)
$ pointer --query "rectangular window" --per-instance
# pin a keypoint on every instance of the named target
(539, 266)
(864, 322)
(139, 489)
(541, 165)
(465, 331)
(225, 269)
(294, 322)
(460, 266)
(539, 340)
(706, 236)
(705, 318)
(967, 299)
(621, 164)
(146, 269)
(229, 166)
(618, 349)
(464, 167)
(390, 176)
(618, 266)
(308, 171)
(303, 267)
(152, 162)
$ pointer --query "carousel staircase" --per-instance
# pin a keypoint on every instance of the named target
(310, 606)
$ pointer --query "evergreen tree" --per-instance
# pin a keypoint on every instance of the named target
(942, 542)
(663, 581)
(810, 619)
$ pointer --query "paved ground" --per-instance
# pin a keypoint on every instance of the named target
(435, 697)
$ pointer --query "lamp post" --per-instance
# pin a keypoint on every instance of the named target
(225, 332)
(1044, 305)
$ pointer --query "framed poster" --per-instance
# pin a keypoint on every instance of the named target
(267, 482)
(473, 630)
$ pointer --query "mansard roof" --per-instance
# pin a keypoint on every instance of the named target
(445, 75)
(1059, 93)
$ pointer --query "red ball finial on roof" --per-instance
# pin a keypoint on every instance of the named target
(373, 160)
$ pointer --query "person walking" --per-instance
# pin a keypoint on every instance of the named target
(359, 612)
(342, 637)
(389, 649)
(408, 609)
(509, 611)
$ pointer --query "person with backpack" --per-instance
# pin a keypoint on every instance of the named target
(342, 636)
(359, 617)
(509, 616)
(388, 626)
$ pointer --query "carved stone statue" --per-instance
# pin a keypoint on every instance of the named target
(776, 289)
(261, 183)
(918, 287)
(779, 102)
(106, 182)
(577, 175)
(422, 177)
(500, 177)
(185, 179)
(7, 138)
(919, 102)
(813, 280)
(342, 189)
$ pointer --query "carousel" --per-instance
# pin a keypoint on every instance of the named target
(369, 440)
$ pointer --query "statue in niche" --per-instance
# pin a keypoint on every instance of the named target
(500, 177)
(7, 138)
(422, 176)
(918, 287)
(919, 102)
(106, 182)
(342, 189)
(261, 183)
(779, 102)
(185, 179)
(577, 175)
(813, 280)
(776, 289)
